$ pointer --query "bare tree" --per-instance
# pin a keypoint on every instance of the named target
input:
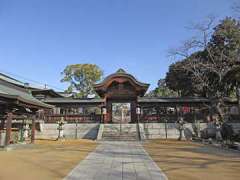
(207, 63)
(236, 8)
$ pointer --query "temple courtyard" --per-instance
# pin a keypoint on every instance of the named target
(181, 160)
(84, 159)
(45, 160)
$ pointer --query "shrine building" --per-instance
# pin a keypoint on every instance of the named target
(121, 104)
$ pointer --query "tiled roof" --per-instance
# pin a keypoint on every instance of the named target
(48, 91)
(11, 91)
(122, 73)
(172, 99)
(71, 100)
(140, 100)
(10, 80)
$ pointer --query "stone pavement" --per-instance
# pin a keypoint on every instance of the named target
(117, 161)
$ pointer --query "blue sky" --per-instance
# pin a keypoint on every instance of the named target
(38, 38)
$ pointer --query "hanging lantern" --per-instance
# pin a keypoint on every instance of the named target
(186, 109)
(138, 110)
(104, 111)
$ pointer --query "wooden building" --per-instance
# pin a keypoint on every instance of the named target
(120, 91)
(16, 104)
(122, 100)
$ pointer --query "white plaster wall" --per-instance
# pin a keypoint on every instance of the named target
(2, 138)
(236, 127)
(84, 131)
(90, 131)
(157, 130)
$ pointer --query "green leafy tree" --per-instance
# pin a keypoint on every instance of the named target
(233, 78)
(81, 78)
(178, 79)
(162, 90)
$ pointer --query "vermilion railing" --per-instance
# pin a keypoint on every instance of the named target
(73, 118)
(157, 118)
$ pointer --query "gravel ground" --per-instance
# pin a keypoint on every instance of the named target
(46, 160)
(192, 161)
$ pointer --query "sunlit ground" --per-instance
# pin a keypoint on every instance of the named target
(185, 161)
(47, 160)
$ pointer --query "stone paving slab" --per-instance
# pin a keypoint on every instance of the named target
(117, 161)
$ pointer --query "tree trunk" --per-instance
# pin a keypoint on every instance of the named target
(8, 128)
(238, 96)
(220, 112)
(180, 135)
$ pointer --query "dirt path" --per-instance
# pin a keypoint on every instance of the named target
(47, 160)
(190, 161)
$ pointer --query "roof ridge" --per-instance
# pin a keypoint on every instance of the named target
(7, 76)
(121, 70)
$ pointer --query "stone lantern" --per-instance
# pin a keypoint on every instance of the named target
(60, 128)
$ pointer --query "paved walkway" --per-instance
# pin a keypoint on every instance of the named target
(117, 161)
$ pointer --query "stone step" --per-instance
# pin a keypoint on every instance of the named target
(113, 132)
(118, 139)
(110, 130)
(123, 135)
(122, 130)
(119, 134)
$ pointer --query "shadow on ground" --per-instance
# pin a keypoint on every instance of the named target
(186, 160)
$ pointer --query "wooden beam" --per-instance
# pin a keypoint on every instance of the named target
(158, 114)
(2, 124)
(8, 128)
(33, 129)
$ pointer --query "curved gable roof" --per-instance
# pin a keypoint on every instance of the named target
(120, 74)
